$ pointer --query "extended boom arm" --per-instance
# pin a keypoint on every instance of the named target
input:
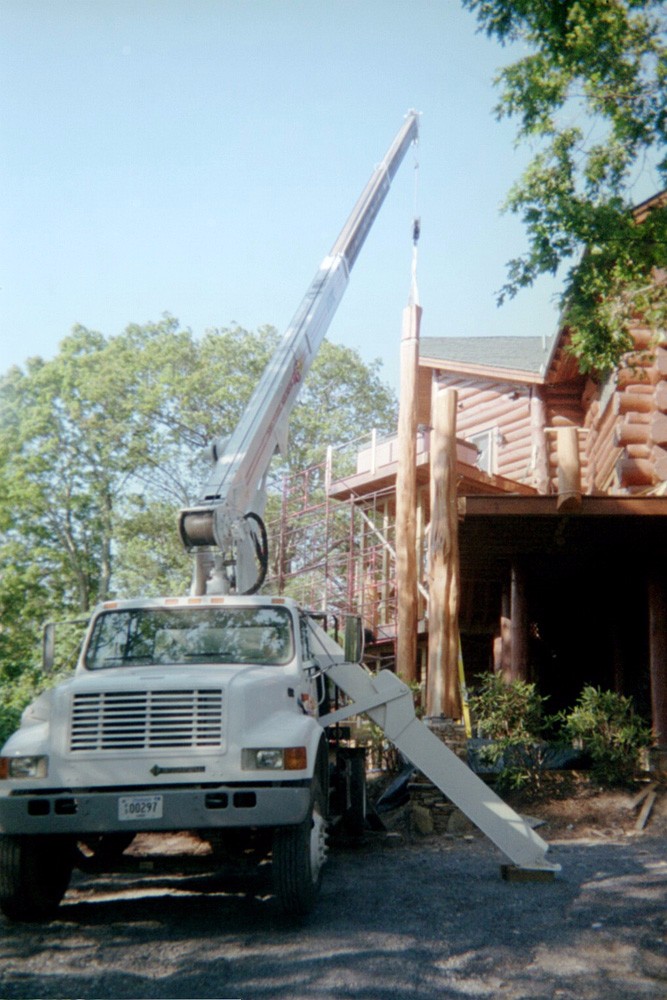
(221, 527)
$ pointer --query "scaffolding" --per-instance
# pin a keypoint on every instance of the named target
(334, 555)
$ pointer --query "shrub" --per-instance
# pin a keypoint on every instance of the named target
(504, 710)
(605, 725)
(511, 715)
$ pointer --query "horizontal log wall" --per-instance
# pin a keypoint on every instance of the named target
(602, 449)
(504, 410)
(627, 444)
(658, 429)
(623, 447)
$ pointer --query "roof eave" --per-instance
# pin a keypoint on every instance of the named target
(490, 371)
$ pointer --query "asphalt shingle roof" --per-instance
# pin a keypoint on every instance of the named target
(529, 354)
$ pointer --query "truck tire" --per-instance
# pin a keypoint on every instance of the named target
(299, 853)
(355, 816)
(34, 875)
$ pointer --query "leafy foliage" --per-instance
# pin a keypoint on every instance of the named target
(606, 725)
(602, 723)
(19, 690)
(13, 699)
(591, 100)
(512, 716)
(508, 711)
(102, 445)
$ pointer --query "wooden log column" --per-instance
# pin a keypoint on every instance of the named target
(519, 625)
(569, 469)
(657, 610)
(406, 499)
(538, 423)
(443, 696)
(502, 647)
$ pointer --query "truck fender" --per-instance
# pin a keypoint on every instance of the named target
(285, 729)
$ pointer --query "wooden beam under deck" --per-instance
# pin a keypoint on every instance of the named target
(545, 506)
(471, 480)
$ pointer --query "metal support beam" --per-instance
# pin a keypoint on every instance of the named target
(388, 703)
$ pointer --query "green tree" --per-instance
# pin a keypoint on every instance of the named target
(101, 446)
(345, 398)
(591, 101)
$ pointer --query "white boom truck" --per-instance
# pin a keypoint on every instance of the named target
(216, 713)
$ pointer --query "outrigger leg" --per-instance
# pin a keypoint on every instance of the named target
(388, 703)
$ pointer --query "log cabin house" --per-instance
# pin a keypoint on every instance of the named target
(563, 576)
(561, 491)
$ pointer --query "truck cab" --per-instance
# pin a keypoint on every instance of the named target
(183, 713)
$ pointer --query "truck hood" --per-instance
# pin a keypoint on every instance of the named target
(124, 725)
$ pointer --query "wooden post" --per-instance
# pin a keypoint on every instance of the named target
(443, 696)
(422, 606)
(569, 465)
(519, 626)
(502, 648)
(617, 659)
(657, 610)
(538, 424)
(406, 499)
(569, 469)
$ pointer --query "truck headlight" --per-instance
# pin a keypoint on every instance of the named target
(275, 759)
(24, 767)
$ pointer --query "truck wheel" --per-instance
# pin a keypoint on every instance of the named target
(34, 875)
(299, 853)
(355, 816)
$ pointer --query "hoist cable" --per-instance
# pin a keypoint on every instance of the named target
(261, 546)
(416, 233)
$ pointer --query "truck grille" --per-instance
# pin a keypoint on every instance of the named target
(146, 720)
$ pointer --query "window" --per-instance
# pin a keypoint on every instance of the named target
(486, 456)
(134, 636)
(305, 639)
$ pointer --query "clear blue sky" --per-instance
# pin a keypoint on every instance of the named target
(199, 157)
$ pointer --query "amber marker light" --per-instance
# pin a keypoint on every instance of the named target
(274, 759)
(295, 758)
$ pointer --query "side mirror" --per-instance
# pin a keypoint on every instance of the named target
(354, 639)
(49, 641)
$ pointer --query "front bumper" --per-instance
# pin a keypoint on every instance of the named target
(86, 811)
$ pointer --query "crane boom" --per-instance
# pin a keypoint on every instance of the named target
(231, 504)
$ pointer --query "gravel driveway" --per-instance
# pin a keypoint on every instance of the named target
(399, 917)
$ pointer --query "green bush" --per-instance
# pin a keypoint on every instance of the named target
(602, 723)
(605, 725)
(503, 710)
(512, 716)
(16, 692)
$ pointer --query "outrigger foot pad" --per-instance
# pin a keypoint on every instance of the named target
(511, 873)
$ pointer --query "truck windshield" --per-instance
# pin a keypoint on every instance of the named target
(131, 636)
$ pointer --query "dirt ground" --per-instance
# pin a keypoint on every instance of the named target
(401, 915)
(580, 810)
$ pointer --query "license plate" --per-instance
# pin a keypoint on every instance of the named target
(132, 807)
